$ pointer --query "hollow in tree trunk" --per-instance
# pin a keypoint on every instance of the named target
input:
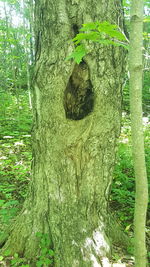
(77, 110)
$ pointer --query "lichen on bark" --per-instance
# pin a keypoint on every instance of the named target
(72, 159)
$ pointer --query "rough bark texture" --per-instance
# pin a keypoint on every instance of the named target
(72, 158)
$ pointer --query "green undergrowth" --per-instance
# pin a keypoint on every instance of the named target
(123, 186)
(122, 196)
(15, 155)
(43, 259)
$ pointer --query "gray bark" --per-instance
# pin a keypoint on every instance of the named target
(136, 72)
(73, 159)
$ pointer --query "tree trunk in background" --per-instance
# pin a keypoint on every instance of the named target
(31, 19)
(73, 157)
(136, 68)
(29, 55)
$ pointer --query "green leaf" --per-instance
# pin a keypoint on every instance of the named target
(78, 54)
(96, 32)
(80, 37)
(92, 36)
(14, 261)
(11, 203)
(1, 258)
(90, 26)
(111, 30)
(7, 253)
(110, 42)
(105, 26)
(44, 251)
(47, 261)
(2, 202)
(38, 234)
(39, 263)
(128, 227)
(51, 252)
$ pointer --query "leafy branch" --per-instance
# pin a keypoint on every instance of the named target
(100, 32)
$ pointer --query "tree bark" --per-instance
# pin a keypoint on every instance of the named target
(73, 158)
(136, 72)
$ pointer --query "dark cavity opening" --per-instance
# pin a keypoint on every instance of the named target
(78, 96)
(75, 29)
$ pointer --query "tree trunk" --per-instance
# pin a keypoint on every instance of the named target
(77, 110)
(136, 73)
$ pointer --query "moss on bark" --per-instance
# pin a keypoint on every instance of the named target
(72, 159)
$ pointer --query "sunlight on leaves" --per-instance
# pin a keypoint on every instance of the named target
(104, 33)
